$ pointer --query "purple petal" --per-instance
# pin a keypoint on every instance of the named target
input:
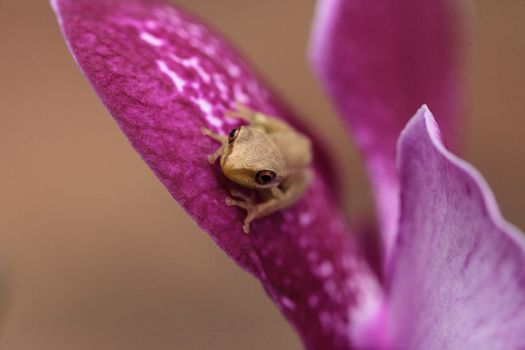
(458, 279)
(380, 60)
(163, 75)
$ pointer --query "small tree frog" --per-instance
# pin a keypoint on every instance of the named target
(266, 155)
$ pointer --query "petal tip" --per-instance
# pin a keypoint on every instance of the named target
(55, 4)
(433, 132)
(320, 27)
(473, 258)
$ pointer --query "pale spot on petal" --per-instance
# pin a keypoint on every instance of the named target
(151, 39)
(233, 70)
(175, 78)
(325, 269)
(287, 303)
(305, 219)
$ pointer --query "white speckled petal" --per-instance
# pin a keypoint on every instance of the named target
(163, 75)
(458, 274)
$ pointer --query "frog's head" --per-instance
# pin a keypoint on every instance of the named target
(251, 159)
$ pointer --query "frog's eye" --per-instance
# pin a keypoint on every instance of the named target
(265, 177)
(233, 135)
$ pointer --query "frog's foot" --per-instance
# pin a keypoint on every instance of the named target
(212, 158)
(242, 112)
(245, 202)
(214, 135)
(252, 215)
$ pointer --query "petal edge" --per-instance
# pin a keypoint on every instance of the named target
(379, 61)
(458, 272)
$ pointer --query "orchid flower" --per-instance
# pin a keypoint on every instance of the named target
(453, 271)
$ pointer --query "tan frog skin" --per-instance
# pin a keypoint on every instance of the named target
(266, 155)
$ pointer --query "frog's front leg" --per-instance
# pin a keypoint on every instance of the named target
(212, 158)
(276, 199)
(243, 112)
(241, 200)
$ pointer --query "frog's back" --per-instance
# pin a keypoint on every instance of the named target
(296, 149)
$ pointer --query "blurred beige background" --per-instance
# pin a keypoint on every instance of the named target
(95, 252)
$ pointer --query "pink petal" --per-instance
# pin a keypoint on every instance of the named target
(163, 75)
(379, 61)
(458, 279)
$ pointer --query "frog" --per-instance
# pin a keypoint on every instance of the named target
(268, 157)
